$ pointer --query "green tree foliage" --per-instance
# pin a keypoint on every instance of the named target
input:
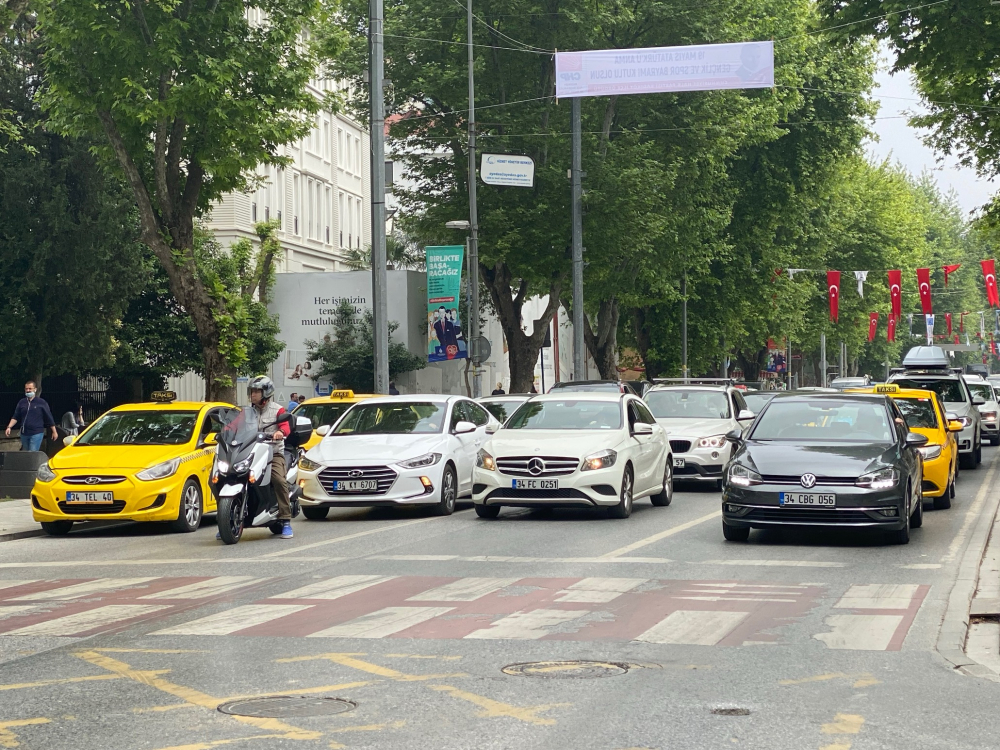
(345, 357)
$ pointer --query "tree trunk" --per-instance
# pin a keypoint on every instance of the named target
(640, 316)
(603, 345)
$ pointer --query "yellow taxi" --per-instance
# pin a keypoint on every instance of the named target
(138, 462)
(925, 414)
(325, 410)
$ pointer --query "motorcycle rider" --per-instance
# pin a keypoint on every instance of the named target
(266, 412)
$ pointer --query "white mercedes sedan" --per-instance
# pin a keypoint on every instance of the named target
(410, 450)
(575, 450)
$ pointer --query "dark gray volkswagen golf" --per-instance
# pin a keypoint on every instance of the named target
(811, 459)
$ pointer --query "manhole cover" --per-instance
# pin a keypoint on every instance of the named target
(287, 706)
(566, 670)
(731, 711)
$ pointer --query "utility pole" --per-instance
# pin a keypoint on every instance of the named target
(380, 307)
(822, 359)
(684, 326)
(576, 175)
(473, 220)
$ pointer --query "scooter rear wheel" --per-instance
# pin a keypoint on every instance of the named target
(230, 519)
(277, 527)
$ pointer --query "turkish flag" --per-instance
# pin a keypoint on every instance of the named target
(872, 325)
(947, 320)
(924, 281)
(956, 338)
(895, 293)
(892, 329)
(950, 270)
(990, 276)
(833, 288)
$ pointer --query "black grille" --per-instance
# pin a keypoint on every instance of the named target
(807, 516)
(382, 474)
(515, 495)
(88, 479)
(692, 470)
(555, 466)
(680, 446)
(797, 479)
(89, 509)
(929, 486)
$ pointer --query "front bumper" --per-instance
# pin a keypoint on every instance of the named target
(967, 439)
(406, 489)
(134, 500)
(757, 507)
(937, 475)
(700, 463)
(589, 489)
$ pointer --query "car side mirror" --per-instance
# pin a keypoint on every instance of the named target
(323, 430)
(642, 428)
(954, 425)
(744, 415)
(211, 438)
(735, 435)
(915, 439)
(491, 429)
(463, 428)
(69, 440)
(978, 401)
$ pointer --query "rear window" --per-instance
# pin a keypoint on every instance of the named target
(947, 389)
(983, 390)
(918, 412)
(322, 414)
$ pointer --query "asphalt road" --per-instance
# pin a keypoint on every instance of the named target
(131, 637)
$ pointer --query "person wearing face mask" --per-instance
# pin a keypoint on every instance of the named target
(34, 416)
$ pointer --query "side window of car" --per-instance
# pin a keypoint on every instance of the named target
(477, 414)
(458, 414)
(633, 416)
(897, 416)
(211, 423)
(644, 414)
(738, 403)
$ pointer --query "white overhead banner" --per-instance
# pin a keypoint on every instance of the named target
(511, 170)
(701, 67)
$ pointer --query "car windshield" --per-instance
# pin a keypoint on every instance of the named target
(141, 428)
(588, 387)
(948, 390)
(321, 414)
(756, 401)
(826, 420)
(502, 408)
(567, 414)
(680, 403)
(918, 412)
(982, 390)
(392, 419)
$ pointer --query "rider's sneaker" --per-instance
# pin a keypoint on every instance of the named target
(218, 535)
(286, 530)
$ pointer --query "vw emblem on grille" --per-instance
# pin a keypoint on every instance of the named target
(93, 480)
(355, 473)
(536, 466)
(808, 480)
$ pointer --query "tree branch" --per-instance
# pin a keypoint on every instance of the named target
(140, 17)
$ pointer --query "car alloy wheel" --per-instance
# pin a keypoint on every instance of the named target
(449, 492)
(624, 507)
(666, 495)
(189, 510)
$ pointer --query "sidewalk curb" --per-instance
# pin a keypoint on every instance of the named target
(13, 536)
(955, 624)
(26, 534)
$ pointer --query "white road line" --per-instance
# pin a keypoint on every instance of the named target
(233, 620)
(878, 596)
(693, 627)
(922, 566)
(860, 632)
(734, 599)
(777, 563)
(81, 622)
(506, 559)
(463, 590)
(348, 537)
(384, 622)
(971, 515)
(662, 535)
(205, 589)
(716, 585)
(527, 626)
(334, 588)
(599, 590)
(14, 611)
(79, 590)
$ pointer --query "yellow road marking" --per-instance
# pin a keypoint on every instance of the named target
(60, 681)
(217, 743)
(190, 695)
(494, 709)
(370, 727)
(861, 680)
(421, 656)
(8, 738)
(657, 537)
(149, 651)
(844, 724)
(837, 746)
(348, 660)
(297, 691)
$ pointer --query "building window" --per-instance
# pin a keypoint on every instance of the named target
(327, 235)
(326, 140)
(358, 169)
(296, 225)
(267, 213)
(253, 211)
(341, 237)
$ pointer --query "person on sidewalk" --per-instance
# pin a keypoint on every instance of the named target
(34, 416)
(72, 422)
(393, 390)
(293, 402)
(498, 391)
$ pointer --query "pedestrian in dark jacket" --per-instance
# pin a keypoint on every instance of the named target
(34, 417)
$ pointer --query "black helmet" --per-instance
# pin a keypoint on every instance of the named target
(261, 383)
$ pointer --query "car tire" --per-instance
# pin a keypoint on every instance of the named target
(718, 485)
(315, 512)
(663, 498)
(995, 440)
(189, 509)
(979, 453)
(624, 507)
(487, 511)
(735, 533)
(917, 516)
(944, 502)
(967, 460)
(57, 528)
(901, 536)
(449, 492)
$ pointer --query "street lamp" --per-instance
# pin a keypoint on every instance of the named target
(473, 341)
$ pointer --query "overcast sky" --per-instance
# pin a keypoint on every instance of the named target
(900, 142)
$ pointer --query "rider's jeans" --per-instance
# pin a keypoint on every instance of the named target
(280, 484)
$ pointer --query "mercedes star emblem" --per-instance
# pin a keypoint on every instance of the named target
(808, 480)
(536, 466)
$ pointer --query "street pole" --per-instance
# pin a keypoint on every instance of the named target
(822, 359)
(579, 356)
(380, 307)
(843, 360)
(473, 220)
(684, 326)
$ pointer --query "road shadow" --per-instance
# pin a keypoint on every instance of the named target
(804, 536)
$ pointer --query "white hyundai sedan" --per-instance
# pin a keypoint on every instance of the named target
(575, 449)
(413, 450)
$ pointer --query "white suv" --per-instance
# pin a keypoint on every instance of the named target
(697, 418)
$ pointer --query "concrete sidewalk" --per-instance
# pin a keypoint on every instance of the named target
(16, 521)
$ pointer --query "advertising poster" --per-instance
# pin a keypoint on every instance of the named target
(445, 339)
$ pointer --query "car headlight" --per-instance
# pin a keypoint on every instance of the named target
(309, 465)
(485, 461)
(45, 474)
(881, 479)
(930, 451)
(742, 476)
(990, 415)
(160, 471)
(600, 460)
(965, 421)
(428, 459)
(715, 441)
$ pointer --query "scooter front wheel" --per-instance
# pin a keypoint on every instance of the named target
(230, 519)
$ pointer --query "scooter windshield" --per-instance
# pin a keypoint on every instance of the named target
(238, 434)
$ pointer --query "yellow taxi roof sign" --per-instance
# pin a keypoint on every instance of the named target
(887, 388)
(342, 394)
(163, 397)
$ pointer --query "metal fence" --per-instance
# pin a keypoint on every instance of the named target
(96, 394)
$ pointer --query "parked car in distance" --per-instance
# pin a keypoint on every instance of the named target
(841, 384)
(989, 409)
(599, 386)
(502, 407)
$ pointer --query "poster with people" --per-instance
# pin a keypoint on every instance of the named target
(445, 338)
